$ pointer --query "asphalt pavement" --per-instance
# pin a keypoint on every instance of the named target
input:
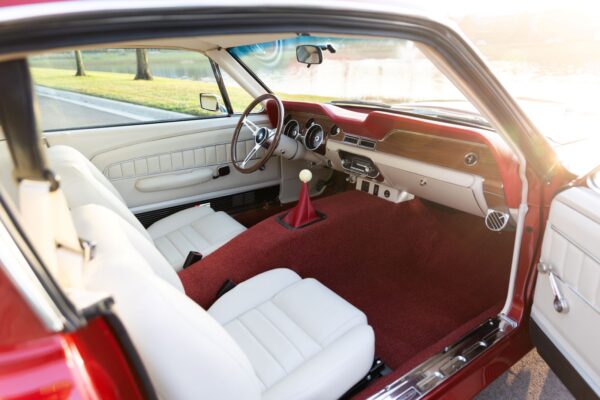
(529, 379)
(61, 109)
(61, 114)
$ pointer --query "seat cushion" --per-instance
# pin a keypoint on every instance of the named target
(303, 340)
(198, 229)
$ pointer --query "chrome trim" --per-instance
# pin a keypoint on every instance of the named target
(308, 133)
(471, 159)
(559, 302)
(496, 220)
(347, 137)
(425, 377)
(18, 270)
(285, 128)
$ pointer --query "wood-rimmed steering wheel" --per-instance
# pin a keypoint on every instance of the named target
(264, 138)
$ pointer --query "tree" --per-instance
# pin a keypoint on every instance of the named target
(79, 63)
(143, 69)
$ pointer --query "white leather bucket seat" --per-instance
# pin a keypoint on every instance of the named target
(198, 229)
(274, 336)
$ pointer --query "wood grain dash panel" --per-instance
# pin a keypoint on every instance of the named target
(448, 153)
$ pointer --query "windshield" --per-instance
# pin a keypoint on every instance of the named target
(547, 54)
(387, 71)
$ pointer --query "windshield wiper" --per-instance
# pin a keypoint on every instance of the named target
(361, 103)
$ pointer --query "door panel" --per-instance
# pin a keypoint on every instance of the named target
(571, 258)
(164, 164)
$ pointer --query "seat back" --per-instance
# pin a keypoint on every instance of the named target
(82, 183)
(187, 353)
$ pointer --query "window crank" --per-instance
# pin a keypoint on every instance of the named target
(560, 303)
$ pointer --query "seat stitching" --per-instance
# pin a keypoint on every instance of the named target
(264, 302)
(281, 332)
(343, 327)
(304, 330)
(192, 245)
(173, 244)
(206, 238)
(263, 346)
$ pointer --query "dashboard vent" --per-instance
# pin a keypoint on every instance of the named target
(351, 139)
(368, 144)
(496, 220)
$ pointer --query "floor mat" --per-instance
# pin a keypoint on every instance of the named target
(417, 270)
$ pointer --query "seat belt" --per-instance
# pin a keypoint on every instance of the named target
(43, 208)
(48, 222)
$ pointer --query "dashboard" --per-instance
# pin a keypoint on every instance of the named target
(311, 130)
(395, 156)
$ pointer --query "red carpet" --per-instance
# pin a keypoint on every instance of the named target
(417, 270)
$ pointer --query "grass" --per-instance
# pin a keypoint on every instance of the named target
(165, 93)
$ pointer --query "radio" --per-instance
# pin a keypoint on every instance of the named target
(357, 164)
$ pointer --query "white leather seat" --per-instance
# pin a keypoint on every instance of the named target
(296, 332)
(198, 229)
(275, 336)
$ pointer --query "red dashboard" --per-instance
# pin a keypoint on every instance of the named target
(437, 143)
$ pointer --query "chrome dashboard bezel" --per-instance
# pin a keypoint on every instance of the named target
(285, 129)
(308, 133)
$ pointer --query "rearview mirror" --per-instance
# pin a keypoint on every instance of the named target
(209, 102)
(309, 54)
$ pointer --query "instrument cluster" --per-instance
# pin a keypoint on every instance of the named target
(311, 134)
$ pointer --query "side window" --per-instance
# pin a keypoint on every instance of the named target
(240, 99)
(108, 87)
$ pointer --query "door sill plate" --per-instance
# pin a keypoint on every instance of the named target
(425, 377)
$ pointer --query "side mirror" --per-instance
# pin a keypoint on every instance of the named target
(209, 102)
(309, 54)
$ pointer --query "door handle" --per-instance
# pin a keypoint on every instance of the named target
(560, 303)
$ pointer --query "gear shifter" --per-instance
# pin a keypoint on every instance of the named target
(304, 213)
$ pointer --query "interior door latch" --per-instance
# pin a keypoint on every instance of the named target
(560, 303)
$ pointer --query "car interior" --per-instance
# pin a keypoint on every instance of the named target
(409, 246)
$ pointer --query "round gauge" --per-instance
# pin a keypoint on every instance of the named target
(292, 129)
(314, 137)
(335, 130)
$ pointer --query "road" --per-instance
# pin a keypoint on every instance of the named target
(61, 114)
(62, 109)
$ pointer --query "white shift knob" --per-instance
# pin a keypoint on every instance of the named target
(305, 175)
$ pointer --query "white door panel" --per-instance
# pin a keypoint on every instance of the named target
(165, 164)
(93, 141)
(571, 249)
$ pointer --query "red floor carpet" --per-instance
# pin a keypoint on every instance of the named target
(420, 272)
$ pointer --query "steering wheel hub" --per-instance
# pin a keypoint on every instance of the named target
(261, 135)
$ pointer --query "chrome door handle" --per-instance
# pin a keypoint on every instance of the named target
(560, 303)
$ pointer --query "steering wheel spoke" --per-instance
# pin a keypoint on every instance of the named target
(251, 125)
(250, 155)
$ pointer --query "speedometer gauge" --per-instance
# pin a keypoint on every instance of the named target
(292, 129)
(314, 137)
